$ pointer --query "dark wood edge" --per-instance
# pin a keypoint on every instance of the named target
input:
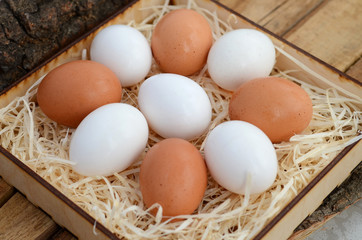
(340, 73)
(101, 227)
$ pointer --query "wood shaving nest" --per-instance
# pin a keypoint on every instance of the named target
(116, 201)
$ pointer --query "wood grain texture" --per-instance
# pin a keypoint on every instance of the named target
(22, 220)
(333, 34)
(355, 70)
(328, 29)
(6, 191)
(287, 15)
(278, 16)
(63, 234)
(256, 10)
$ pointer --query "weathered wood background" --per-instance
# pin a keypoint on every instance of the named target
(32, 31)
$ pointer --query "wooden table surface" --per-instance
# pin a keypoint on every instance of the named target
(329, 29)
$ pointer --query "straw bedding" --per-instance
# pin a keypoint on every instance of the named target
(116, 201)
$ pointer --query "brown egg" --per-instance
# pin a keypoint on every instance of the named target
(173, 174)
(277, 106)
(68, 93)
(181, 42)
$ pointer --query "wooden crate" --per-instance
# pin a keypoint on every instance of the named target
(68, 214)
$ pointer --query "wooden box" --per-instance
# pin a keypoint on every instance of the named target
(281, 225)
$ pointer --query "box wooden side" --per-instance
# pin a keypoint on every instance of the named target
(42, 194)
(77, 221)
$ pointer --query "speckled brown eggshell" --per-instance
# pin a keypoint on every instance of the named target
(173, 174)
(68, 93)
(279, 107)
(181, 42)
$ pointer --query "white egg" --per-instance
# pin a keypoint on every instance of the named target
(125, 51)
(235, 150)
(239, 56)
(108, 140)
(175, 106)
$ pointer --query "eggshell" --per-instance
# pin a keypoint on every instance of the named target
(173, 174)
(125, 51)
(239, 56)
(240, 157)
(175, 106)
(68, 93)
(181, 41)
(108, 140)
(277, 106)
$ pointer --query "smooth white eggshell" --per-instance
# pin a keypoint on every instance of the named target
(236, 149)
(239, 56)
(175, 106)
(108, 140)
(125, 51)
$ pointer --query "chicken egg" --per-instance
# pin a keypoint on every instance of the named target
(108, 140)
(125, 51)
(174, 175)
(181, 41)
(175, 106)
(276, 105)
(239, 56)
(68, 93)
(240, 157)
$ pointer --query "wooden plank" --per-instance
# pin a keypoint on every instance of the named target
(312, 25)
(287, 15)
(333, 34)
(22, 220)
(6, 191)
(355, 70)
(63, 234)
(256, 10)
